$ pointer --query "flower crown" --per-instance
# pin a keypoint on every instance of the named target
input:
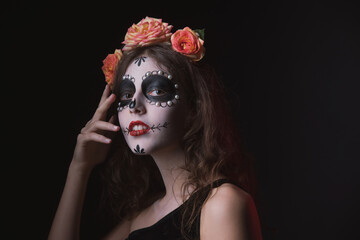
(151, 31)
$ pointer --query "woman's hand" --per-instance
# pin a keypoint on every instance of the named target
(92, 146)
(93, 142)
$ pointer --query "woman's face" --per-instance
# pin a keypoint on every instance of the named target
(151, 114)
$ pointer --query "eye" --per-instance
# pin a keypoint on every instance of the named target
(126, 96)
(156, 92)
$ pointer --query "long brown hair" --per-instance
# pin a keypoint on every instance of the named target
(211, 144)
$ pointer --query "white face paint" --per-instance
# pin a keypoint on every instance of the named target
(150, 115)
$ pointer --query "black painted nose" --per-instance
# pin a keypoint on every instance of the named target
(132, 104)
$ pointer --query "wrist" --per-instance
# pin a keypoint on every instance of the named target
(82, 169)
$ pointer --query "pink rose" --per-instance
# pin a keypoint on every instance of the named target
(148, 31)
(109, 65)
(188, 43)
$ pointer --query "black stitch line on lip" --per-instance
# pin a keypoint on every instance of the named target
(126, 130)
(159, 126)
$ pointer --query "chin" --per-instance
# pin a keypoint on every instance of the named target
(149, 146)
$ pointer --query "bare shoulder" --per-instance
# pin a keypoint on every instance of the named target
(230, 193)
(227, 199)
(229, 213)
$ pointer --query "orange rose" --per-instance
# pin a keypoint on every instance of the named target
(148, 31)
(109, 65)
(188, 43)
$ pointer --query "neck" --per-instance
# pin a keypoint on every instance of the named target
(170, 163)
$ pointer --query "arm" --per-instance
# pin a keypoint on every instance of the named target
(66, 224)
(229, 214)
(91, 148)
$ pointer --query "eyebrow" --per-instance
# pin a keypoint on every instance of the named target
(157, 72)
(129, 77)
(147, 74)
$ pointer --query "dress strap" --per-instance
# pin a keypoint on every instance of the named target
(219, 182)
(204, 191)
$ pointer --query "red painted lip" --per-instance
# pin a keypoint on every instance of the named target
(138, 132)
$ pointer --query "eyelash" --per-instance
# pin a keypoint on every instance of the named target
(162, 92)
(126, 96)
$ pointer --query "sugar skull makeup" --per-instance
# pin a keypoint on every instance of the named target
(150, 113)
(156, 86)
(127, 90)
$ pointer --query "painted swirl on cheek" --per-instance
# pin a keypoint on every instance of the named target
(158, 88)
(127, 90)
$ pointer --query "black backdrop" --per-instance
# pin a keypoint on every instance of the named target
(291, 72)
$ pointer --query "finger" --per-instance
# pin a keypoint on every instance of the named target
(101, 125)
(96, 137)
(101, 111)
(112, 119)
(105, 94)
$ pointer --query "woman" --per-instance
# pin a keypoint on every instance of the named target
(172, 167)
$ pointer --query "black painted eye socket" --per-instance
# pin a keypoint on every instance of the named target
(127, 91)
(158, 88)
(156, 93)
(126, 96)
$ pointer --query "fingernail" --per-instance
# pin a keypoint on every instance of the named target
(108, 140)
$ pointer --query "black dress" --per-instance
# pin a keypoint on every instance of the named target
(168, 227)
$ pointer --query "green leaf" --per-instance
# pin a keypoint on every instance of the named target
(201, 33)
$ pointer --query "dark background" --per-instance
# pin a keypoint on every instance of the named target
(291, 71)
